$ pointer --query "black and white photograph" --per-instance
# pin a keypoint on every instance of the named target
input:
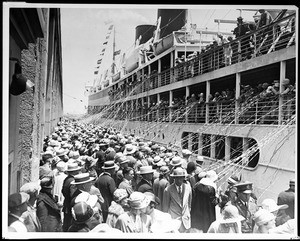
(148, 121)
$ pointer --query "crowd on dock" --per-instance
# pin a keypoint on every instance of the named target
(96, 179)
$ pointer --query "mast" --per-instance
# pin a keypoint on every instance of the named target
(114, 49)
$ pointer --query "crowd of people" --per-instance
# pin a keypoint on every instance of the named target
(95, 179)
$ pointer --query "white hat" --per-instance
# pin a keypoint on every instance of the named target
(270, 205)
(262, 216)
(230, 214)
(87, 198)
(164, 223)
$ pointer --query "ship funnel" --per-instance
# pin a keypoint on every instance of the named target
(146, 31)
(171, 20)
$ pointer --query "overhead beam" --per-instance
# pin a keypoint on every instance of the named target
(225, 21)
(198, 31)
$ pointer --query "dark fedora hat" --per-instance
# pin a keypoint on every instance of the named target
(82, 212)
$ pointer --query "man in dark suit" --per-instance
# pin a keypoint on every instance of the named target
(106, 185)
(286, 197)
(145, 185)
(68, 190)
(101, 156)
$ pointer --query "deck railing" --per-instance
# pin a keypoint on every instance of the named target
(278, 35)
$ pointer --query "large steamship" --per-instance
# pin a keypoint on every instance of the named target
(254, 137)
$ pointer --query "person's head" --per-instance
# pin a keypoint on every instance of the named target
(138, 202)
(270, 205)
(120, 196)
(109, 166)
(191, 167)
(292, 184)
(244, 191)
(32, 189)
(264, 220)
(123, 162)
(128, 173)
(276, 83)
(146, 172)
(73, 169)
(83, 181)
(82, 213)
(17, 203)
(47, 159)
(261, 10)
(179, 175)
(154, 201)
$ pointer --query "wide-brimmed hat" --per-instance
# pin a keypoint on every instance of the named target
(109, 165)
(176, 161)
(262, 216)
(212, 175)
(156, 159)
(154, 147)
(270, 205)
(91, 161)
(164, 223)
(130, 149)
(145, 170)
(230, 214)
(31, 187)
(186, 152)
(105, 228)
(82, 178)
(17, 199)
(138, 200)
(123, 159)
(46, 182)
(120, 194)
(72, 166)
(179, 172)
(87, 198)
(82, 212)
(61, 152)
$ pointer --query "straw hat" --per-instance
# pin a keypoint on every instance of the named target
(212, 175)
(109, 165)
(179, 172)
(231, 214)
(270, 205)
(186, 152)
(145, 170)
(138, 200)
(129, 149)
(82, 178)
(262, 216)
(176, 161)
(61, 152)
(72, 166)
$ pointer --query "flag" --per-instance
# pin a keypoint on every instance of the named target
(110, 27)
(99, 61)
(117, 52)
(95, 72)
(107, 37)
(105, 43)
(103, 50)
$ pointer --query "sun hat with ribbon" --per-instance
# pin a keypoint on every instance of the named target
(138, 200)
(72, 166)
(176, 161)
(119, 194)
(230, 214)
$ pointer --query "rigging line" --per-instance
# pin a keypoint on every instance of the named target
(73, 97)
(209, 18)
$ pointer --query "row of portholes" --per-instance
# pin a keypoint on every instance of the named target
(143, 133)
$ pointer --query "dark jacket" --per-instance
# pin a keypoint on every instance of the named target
(48, 213)
(144, 186)
(106, 185)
